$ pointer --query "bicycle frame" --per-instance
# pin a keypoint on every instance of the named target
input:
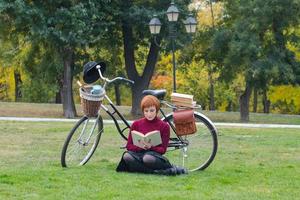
(174, 142)
(177, 142)
(111, 114)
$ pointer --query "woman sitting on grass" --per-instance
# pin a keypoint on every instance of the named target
(147, 158)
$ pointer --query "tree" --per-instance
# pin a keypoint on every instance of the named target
(209, 17)
(134, 31)
(255, 38)
(62, 25)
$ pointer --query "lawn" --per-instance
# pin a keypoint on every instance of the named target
(12, 109)
(251, 163)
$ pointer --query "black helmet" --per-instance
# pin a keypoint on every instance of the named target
(90, 73)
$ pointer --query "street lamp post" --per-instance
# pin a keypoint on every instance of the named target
(172, 14)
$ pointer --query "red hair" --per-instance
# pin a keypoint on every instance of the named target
(148, 101)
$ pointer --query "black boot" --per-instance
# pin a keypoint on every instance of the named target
(172, 171)
(167, 172)
(180, 170)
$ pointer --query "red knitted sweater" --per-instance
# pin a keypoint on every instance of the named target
(144, 126)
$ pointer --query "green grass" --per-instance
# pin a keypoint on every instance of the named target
(260, 118)
(55, 111)
(251, 163)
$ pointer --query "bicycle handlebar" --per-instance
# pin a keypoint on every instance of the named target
(121, 79)
(127, 80)
(112, 80)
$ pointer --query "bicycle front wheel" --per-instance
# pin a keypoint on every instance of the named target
(200, 148)
(81, 142)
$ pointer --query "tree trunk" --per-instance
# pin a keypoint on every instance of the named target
(67, 92)
(211, 91)
(229, 106)
(244, 104)
(18, 85)
(118, 95)
(137, 90)
(141, 82)
(266, 102)
(58, 95)
(255, 91)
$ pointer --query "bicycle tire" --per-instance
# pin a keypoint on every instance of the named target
(81, 151)
(202, 145)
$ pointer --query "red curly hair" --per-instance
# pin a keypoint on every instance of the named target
(148, 101)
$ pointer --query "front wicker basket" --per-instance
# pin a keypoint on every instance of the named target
(90, 102)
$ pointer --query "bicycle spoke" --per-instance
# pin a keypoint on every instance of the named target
(73, 154)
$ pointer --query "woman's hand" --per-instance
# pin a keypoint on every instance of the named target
(146, 145)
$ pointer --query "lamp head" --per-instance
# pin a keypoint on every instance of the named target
(154, 25)
(190, 24)
(172, 13)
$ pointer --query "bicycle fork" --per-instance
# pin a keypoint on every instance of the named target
(79, 140)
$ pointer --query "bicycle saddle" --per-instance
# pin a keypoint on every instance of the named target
(160, 94)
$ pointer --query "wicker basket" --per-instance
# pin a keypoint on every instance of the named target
(90, 102)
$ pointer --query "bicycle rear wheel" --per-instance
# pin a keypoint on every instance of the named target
(201, 147)
(81, 142)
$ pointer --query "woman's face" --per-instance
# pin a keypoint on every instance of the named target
(150, 112)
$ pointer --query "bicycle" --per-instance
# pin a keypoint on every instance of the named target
(194, 152)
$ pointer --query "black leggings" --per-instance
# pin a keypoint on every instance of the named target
(144, 162)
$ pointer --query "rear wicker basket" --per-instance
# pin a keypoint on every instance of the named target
(90, 102)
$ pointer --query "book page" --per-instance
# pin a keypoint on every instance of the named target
(137, 138)
(152, 137)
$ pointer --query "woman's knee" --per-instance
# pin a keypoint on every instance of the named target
(154, 162)
(149, 159)
(128, 157)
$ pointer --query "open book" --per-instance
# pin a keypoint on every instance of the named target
(152, 137)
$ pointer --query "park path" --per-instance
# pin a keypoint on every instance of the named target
(217, 124)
